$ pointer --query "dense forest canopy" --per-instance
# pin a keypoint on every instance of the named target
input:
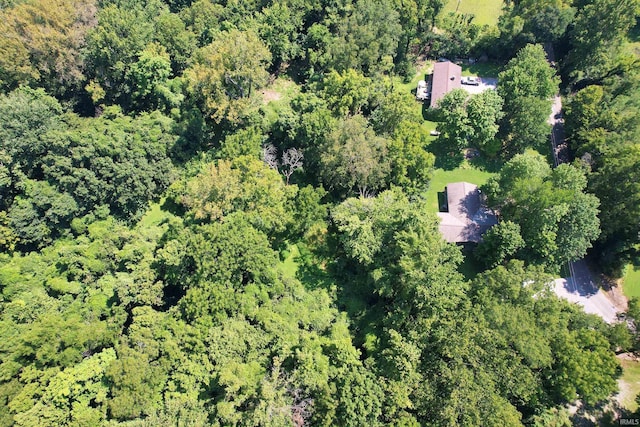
(216, 213)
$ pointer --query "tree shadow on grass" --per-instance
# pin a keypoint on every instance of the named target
(470, 266)
(313, 277)
(487, 164)
(428, 113)
(447, 156)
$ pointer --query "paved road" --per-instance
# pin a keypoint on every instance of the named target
(559, 147)
(581, 288)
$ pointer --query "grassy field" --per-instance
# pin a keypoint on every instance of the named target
(277, 96)
(486, 12)
(482, 69)
(154, 215)
(629, 384)
(631, 281)
(421, 74)
(290, 265)
(442, 177)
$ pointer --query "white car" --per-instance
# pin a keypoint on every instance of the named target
(471, 80)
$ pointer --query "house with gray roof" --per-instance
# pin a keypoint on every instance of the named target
(446, 77)
(465, 217)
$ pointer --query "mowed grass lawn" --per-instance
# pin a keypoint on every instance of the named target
(631, 281)
(442, 177)
(290, 264)
(422, 70)
(486, 12)
(277, 96)
(630, 381)
(629, 384)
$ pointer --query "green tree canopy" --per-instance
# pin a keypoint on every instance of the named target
(354, 157)
(43, 42)
(454, 119)
(527, 84)
(113, 46)
(245, 184)
(26, 116)
(559, 221)
(118, 161)
(499, 244)
(346, 93)
(367, 38)
(484, 111)
(226, 72)
(597, 36)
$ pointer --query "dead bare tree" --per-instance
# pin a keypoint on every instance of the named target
(270, 156)
(301, 408)
(292, 159)
(287, 399)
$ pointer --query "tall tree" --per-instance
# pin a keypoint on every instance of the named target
(485, 112)
(346, 93)
(202, 18)
(393, 108)
(242, 184)
(533, 21)
(74, 396)
(149, 78)
(527, 84)
(26, 116)
(43, 43)
(454, 121)
(602, 124)
(528, 74)
(354, 157)
(616, 182)
(598, 33)
(226, 72)
(116, 160)
(499, 244)
(113, 46)
(280, 27)
(41, 214)
(411, 163)
(559, 221)
(179, 42)
(367, 38)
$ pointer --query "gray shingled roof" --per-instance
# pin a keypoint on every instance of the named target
(467, 219)
(446, 77)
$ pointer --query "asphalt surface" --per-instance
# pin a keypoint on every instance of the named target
(582, 288)
(485, 83)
